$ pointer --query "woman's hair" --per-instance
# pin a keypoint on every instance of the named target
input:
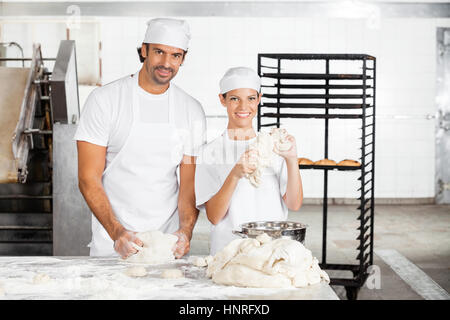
(225, 94)
(142, 59)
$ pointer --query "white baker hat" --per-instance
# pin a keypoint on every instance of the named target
(170, 32)
(240, 77)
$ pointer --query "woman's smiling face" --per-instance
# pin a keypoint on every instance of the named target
(242, 106)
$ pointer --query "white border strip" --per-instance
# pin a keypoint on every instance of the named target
(413, 275)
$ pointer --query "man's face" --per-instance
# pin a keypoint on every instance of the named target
(162, 62)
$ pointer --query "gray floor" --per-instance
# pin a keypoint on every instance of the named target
(421, 233)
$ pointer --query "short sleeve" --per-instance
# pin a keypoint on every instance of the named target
(207, 182)
(95, 122)
(196, 135)
(283, 176)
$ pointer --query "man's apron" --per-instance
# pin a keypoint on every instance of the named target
(141, 182)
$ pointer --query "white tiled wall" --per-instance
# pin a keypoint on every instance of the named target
(406, 68)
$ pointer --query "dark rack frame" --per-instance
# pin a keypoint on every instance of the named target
(367, 77)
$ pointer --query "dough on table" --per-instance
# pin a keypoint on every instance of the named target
(265, 263)
(172, 274)
(135, 272)
(2, 291)
(157, 248)
(41, 278)
(199, 261)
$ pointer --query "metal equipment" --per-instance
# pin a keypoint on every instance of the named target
(275, 229)
(44, 101)
(442, 175)
(283, 90)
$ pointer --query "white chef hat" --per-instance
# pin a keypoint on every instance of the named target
(240, 77)
(170, 32)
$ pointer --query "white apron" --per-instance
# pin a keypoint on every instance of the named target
(141, 182)
(248, 203)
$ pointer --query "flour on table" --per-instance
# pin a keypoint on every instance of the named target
(172, 274)
(138, 271)
(41, 278)
(264, 146)
(157, 248)
(265, 263)
(2, 291)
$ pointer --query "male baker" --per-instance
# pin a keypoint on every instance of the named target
(133, 135)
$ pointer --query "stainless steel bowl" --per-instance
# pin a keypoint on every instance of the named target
(275, 229)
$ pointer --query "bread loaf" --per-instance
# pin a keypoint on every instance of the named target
(305, 161)
(325, 162)
(349, 162)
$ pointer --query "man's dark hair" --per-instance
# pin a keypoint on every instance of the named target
(142, 59)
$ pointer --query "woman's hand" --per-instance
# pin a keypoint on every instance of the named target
(288, 154)
(246, 164)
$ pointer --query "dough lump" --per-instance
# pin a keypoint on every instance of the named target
(199, 261)
(265, 263)
(138, 271)
(280, 139)
(263, 147)
(157, 248)
(172, 274)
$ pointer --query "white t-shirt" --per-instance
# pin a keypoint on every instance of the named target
(248, 203)
(107, 117)
(154, 108)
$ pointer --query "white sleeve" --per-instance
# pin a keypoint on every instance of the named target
(196, 136)
(95, 122)
(207, 183)
(283, 176)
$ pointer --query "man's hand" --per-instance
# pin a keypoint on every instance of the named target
(124, 243)
(183, 244)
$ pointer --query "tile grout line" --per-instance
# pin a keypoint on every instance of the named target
(418, 280)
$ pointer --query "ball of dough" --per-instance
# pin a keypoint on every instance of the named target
(172, 274)
(157, 248)
(136, 272)
(199, 261)
(41, 278)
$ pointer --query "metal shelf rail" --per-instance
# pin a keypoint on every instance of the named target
(275, 78)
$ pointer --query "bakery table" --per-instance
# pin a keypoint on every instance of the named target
(81, 278)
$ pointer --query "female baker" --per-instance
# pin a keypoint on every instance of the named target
(221, 186)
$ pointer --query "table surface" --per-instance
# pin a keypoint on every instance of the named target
(83, 278)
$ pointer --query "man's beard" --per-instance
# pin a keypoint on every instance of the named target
(158, 80)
